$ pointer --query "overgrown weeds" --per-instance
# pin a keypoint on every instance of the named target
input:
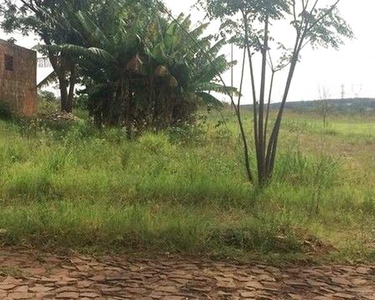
(81, 188)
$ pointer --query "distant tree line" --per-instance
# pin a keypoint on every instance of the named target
(348, 105)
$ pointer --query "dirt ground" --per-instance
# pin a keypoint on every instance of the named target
(35, 275)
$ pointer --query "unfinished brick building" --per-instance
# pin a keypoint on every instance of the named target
(18, 78)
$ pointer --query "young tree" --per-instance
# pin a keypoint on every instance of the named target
(250, 24)
(322, 103)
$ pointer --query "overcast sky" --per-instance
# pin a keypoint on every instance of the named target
(352, 66)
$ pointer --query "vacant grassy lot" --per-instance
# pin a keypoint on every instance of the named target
(185, 190)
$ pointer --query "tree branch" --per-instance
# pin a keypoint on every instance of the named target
(324, 15)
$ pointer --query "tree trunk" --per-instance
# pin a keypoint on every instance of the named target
(127, 96)
(239, 117)
(273, 141)
(262, 177)
(72, 81)
(63, 92)
(115, 110)
(252, 77)
(59, 68)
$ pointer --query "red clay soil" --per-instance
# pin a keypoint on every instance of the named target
(34, 275)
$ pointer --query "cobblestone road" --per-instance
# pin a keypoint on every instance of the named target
(34, 275)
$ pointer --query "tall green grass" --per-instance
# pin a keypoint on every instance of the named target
(183, 190)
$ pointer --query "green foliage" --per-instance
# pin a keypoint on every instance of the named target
(46, 96)
(143, 70)
(81, 102)
(324, 24)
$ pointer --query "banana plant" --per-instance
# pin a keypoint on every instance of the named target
(140, 69)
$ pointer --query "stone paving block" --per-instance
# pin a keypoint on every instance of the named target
(178, 279)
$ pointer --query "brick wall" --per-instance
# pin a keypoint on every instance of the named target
(18, 78)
